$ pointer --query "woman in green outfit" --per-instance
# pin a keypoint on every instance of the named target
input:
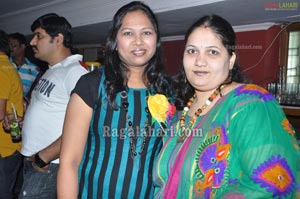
(232, 140)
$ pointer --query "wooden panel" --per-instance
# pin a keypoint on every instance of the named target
(291, 110)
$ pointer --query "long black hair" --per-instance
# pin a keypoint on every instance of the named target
(116, 72)
(227, 36)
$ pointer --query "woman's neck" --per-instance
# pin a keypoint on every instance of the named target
(135, 78)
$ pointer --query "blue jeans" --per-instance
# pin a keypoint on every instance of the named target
(38, 185)
(10, 166)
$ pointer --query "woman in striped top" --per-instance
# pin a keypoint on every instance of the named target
(109, 142)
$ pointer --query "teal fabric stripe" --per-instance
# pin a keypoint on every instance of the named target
(112, 153)
(124, 157)
(136, 159)
(148, 159)
(101, 154)
(87, 171)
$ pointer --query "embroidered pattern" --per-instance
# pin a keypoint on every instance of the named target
(211, 159)
(275, 176)
(255, 90)
(287, 126)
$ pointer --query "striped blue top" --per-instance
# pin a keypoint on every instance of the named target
(28, 72)
(108, 169)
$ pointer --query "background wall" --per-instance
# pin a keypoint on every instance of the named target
(173, 51)
(258, 56)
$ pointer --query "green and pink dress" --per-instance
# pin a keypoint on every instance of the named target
(244, 147)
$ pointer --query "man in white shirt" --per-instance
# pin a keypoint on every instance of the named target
(44, 117)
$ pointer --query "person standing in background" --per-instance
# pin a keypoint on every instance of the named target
(43, 121)
(108, 150)
(28, 71)
(10, 92)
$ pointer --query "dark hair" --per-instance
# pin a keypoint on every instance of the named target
(53, 25)
(19, 37)
(115, 71)
(227, 36)
(4, 47)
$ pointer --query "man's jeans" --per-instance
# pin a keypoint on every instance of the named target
(37, 184)
(10, 166)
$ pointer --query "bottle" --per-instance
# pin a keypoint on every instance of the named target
(15, 131)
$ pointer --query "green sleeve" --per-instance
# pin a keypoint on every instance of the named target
(264, 158)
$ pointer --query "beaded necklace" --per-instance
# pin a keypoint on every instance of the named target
(130, 129)
(186, 129)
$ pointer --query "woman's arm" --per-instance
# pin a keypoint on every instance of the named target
(74, 138)
(266, 154)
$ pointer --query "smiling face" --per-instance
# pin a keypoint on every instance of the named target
(206, 61)
(136, 40)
